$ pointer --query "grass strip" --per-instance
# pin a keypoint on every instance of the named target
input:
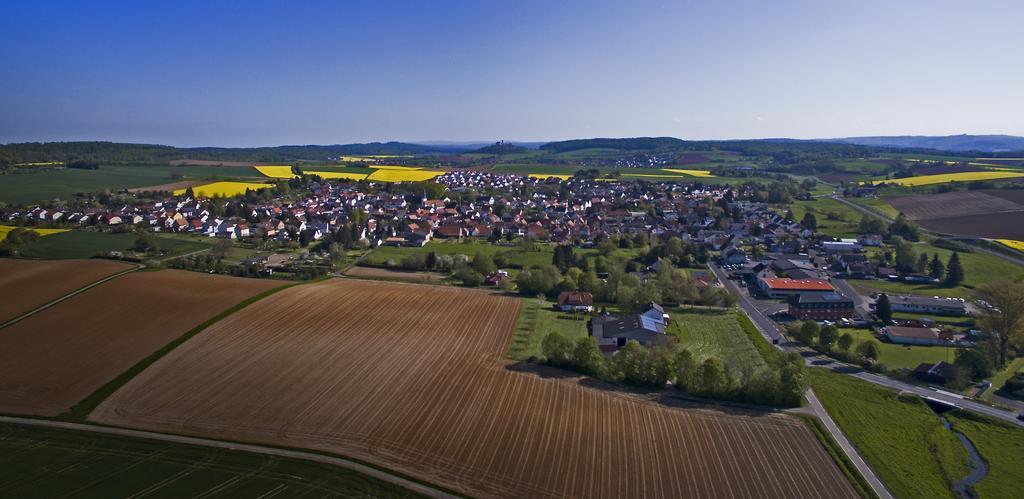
(845, 465)
(767, 351)
(81, 410)
(1000, 445)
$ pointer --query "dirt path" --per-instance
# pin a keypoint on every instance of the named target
(67, 296)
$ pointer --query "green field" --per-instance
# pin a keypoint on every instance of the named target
(1001, 446)
(878, 204)
(844, 219)
(85, 244)
(900, 437)
(64, 184)
(902, 356)
(537, 319)
(41, 462)
(541, 254)
(714, 333)
(862, 166)
(1012, 367)
(979, 268)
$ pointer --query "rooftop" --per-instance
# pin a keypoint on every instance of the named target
(785, 283)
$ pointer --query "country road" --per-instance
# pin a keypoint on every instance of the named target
(873, 213)
(770, 330)
(255, 449)
(851, 452)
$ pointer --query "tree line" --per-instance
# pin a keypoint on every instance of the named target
(781, 383)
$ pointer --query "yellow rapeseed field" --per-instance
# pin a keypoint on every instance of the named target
(276, 171)
(286, 172)
(393, 167)
(692, 173)
(549, 175)
(4, 229)
(346, 175)
(1017, 245)
(403, 175)
(655, 175)
(953, 177)
(223, 189)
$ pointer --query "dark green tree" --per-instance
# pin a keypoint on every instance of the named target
(713, 380)
(845, 341)
(935, 268)
(869, 350)
(973, 362)
(809, 221)
(687, 371)
(883, 309)
(557, 350)
(827, 337)
(954, 271)
(587, 357)
(922, 263)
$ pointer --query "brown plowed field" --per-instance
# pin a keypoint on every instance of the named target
(394, 275)
(56, 358)
(412, 378)
(993, 213)
(28, 284)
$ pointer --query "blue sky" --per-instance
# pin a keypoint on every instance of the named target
(265, 73)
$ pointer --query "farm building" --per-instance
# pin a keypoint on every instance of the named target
(782, 287)
(940, 372)
(655, 312)
(905, 335)
(928, 305)
(613, 332)
(841, 246)
(575, 301)
(820, 306)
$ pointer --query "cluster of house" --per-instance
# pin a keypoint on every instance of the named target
(519, 209)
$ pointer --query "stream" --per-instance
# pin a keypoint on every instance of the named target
(974, 461)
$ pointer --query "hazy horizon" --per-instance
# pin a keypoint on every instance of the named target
(197, 74)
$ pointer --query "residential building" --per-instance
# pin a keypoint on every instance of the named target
(821, 306)
(612, 332)
(575, 301)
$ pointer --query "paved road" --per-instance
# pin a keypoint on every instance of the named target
(851, 451)
(256, 449)
(770, 330)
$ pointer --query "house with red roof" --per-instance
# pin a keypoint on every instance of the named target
(784, 287)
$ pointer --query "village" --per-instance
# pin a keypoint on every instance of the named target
(755, 249)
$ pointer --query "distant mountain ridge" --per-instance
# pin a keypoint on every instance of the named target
(981, 143)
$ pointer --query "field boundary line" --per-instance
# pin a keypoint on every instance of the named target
(851, 452)
(82, 409)
(871, 212)
(26, 315)
(336, 461)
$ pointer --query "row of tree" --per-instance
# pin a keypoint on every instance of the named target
(829, 340)
(781, 383)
